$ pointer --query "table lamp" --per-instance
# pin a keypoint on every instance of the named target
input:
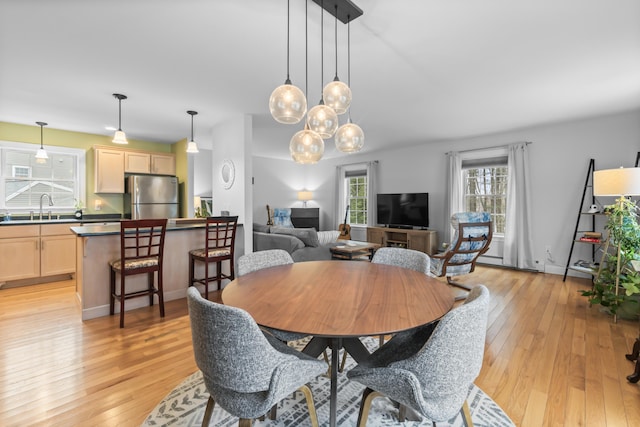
(617, 182)
(305, 196)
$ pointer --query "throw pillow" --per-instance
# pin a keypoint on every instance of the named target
(282, 217)
(328, 236)
(309, 236)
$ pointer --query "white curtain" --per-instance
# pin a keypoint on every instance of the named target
(340, 196)
(518, 242)
(454, 191)
(372, 193)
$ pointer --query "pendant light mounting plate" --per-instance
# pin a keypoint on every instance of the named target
(119, 96)
(192, 113)
(346, 10)
(41, 123)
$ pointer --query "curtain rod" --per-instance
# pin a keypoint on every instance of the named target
(357, 163)
(487, 148)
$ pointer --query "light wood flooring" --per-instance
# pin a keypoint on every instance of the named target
(550, 359)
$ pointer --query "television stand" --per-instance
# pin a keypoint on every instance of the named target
(420, 240)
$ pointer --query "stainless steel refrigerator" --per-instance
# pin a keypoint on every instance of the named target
(151, 196)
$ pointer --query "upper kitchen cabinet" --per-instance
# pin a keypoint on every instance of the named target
(109, 170)
(111, 164)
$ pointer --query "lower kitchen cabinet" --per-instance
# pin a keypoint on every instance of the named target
(31, 251)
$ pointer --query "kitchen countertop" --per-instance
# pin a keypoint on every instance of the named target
(68, 219)
(106, 229)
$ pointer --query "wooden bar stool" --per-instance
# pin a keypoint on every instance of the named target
(219, 246)
(141, 251)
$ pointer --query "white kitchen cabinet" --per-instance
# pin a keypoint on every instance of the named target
(109, 170)
(163, 164)
(19, 252)
(57, 249)
(136, 162)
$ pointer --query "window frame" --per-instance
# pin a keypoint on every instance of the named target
(80, 178)
(348, 176)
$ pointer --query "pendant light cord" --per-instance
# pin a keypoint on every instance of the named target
(288, 79)
(41, 136)
(321, 51)
(119, 114)
(336, 41)
(348, 59)
(306, 49)
(192, 127)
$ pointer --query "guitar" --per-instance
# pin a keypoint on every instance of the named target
(269, 216)
(344, 228)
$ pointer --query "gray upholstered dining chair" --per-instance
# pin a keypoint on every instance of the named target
(434, 379)
(255, 261)
(401, 257)
(245, 371)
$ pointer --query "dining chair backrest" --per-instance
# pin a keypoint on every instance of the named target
(255, 261)
(401, 257)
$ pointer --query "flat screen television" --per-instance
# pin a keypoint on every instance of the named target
(403, 210)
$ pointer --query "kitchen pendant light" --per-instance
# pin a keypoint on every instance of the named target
(119, 137)
(287, 103)
(41, 154)
(192, 147)
(322, 119)
(349, 137)
(337, 94)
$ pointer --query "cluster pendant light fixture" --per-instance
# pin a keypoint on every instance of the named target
(287, 103)
(120, 137)
(307, 145)
(192, 147)
(41, 154)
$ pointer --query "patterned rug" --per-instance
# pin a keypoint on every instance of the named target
(185, 405)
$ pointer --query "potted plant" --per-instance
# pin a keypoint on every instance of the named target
(617, 281)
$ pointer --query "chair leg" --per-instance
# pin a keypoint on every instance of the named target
(112, 290)
(191, 268)
(466, 414)
(219, 274)
(245, 422)
(344, 361)
(312, 408)
(273, 413)
(122, 299)
(150, 287)
(160, 293)
(208, 412)
(458, 284)
(367, 397)
(206, 279)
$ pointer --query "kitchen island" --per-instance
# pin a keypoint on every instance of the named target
(96, 245)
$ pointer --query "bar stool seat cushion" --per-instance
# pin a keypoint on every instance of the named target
(135, 264)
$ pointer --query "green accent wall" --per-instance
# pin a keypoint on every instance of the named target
(111, 203)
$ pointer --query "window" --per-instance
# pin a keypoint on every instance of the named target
(356, 190)
(485, 189)
(23, 181)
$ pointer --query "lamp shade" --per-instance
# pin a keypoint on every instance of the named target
(349, 138)
(617, 182)
(287, 104)
(305, 195)
(323, 120)
(192, 147)
(337, 95)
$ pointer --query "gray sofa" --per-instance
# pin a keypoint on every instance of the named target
(302, 247)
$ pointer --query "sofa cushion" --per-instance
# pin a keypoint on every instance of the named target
(329, 236)
(309, 236)
(261, 228)
(266, 241)
(282, 217)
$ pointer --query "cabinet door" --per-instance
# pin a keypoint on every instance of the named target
(163, 164)
(137, 162)
(19, 258)
(375, 235)
(418, 242)
(109, 171)
(57, 255)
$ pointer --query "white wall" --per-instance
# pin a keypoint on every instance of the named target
(559, 156)
(202, 173)
(232, 141)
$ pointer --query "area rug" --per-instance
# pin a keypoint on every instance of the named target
(185, 405)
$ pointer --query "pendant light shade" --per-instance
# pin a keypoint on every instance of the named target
(349, 137)
(41, 154)
(192, 147)
(119, 137)
(337, 94)
(323, 120)
(306, 146)
(287, 103)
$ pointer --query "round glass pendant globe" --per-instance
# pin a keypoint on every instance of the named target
(287, 104)
(306, 147)
(323, 120)
(337, 95)
(349, 138)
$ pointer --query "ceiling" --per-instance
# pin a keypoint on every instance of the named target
(421, 70)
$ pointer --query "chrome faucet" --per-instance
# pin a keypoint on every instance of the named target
(50, 204)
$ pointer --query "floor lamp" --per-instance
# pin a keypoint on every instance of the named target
(620, 182)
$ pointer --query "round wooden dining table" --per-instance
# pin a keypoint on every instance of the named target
(338, 301)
